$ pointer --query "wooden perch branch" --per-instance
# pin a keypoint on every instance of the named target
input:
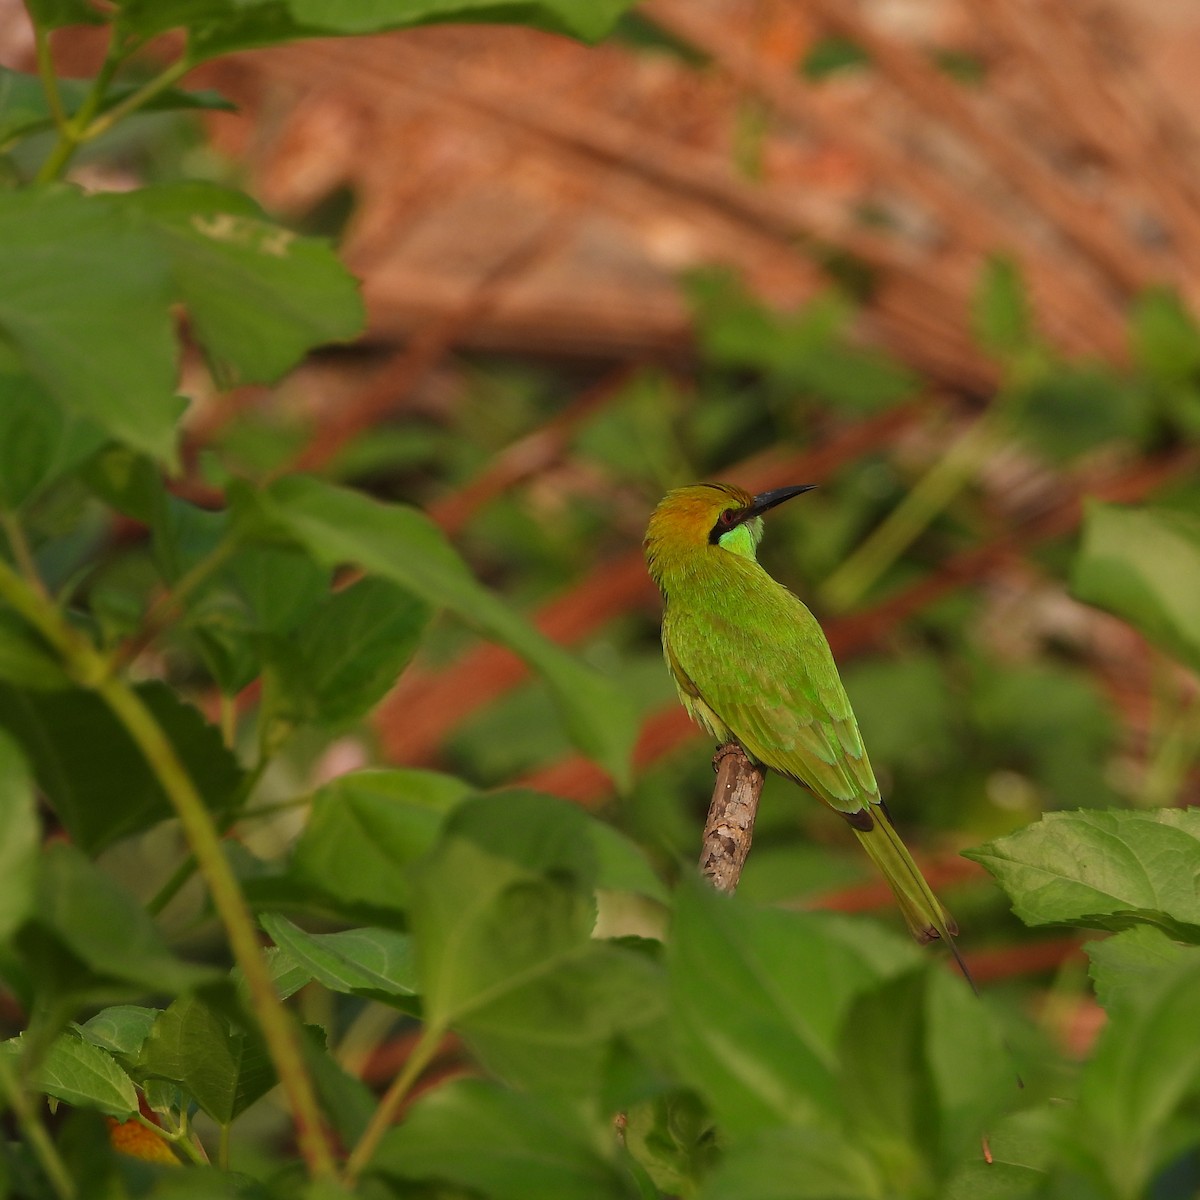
(730, 824)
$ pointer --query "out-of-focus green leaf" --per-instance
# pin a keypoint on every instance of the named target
(365, 828)
(376, 963)
(1145, 1066)
(808, 349)
(224, 26)
(1023, 1147)
(1166, 340)
(500, 1144)
(1124, 963)
(924, 1072)
(39, 439)
(1000, 311)
(25, 659)
(756, 1034)
(1104, 869)
(1049, 721)
(80, 1073)
(830, 55)
(120, 1029)
(24, 109)
(502, 911)
(402, 545)
(797, 1164)
(53, 14)
(1069, 408)
(19, 837)
(1144, 566)
(225, 1068)
(85, 304)
(91, 771)
(259, 296)
(904, 709)
(102, 927)
(345, 658)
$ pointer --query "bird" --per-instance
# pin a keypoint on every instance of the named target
(753, 666)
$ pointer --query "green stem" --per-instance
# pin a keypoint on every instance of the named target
(151, 88)
(385, 1113)
(180, 1141)
(21, 553)
(166, 607)
(45, 65)
(186, 869)
(908, 520)
(227, 898)
(35, 1133)
(92, 669)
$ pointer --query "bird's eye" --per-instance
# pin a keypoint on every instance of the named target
(727, 517)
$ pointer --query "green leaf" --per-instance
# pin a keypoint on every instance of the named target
(1103, 869)
(85, 306)
(924, 1071)
(1145, 1066)
(1123, 963)
(53, 14)
(24, 109)
(1144, 566)
(365, 828)
(224, 1067)
(79, 1073)
(223, 26)
(104, 929)
(502, 910)
(753, 1033)
(375, 963)
(259, 296)
(120, 1029)
(1166, 340)
(1001, 316)
(92, 772)
(25, 659)
(808, 349)
(345, 1099)
(1023, 1147)
(343, 661)
(20, 835)
(796, 1164)
(39, 440)
(401, 544)
(830, 55)
(1069, 408)
(500, 1144)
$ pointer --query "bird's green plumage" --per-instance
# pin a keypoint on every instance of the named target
(751, 663)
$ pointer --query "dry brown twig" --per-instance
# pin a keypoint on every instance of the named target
(730, 825)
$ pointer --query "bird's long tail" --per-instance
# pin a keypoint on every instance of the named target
(922, 910)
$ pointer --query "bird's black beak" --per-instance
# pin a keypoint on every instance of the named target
(766, 500)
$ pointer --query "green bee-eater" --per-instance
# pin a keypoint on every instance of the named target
(752, 665)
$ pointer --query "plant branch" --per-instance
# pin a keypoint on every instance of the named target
(45, 65)
(386, 1111)
(730, 825)
(135, 100)
(201, 833)
(35, 1133)
(93, 669)
(21, 553)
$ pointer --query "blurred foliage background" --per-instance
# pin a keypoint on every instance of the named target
(937, 257)
(765, 242)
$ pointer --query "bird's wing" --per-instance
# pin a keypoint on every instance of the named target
(774, 684)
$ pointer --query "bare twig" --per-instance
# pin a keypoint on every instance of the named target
(730, 824)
